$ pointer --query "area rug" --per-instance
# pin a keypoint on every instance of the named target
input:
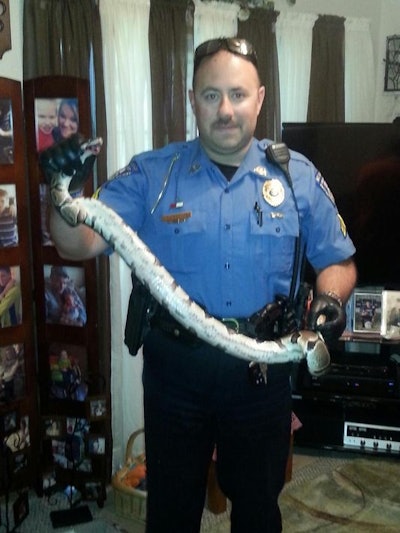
(362, 495)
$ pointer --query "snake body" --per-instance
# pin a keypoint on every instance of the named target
(163, 287)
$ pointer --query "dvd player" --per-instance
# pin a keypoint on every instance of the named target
(371, 437)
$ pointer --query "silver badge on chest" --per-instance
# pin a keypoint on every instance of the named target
(273, 192)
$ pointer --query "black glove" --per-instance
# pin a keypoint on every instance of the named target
(65, 157)
(327, 316)
(274, 320)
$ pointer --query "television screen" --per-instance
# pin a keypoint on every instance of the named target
(361, 164)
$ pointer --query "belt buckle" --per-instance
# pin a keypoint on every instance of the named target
(231, 323)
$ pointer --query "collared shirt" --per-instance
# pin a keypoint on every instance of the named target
(230, 245)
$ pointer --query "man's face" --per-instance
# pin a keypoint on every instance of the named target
(226, 100)
(59, 283)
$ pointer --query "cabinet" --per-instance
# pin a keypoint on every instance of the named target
(356, 405)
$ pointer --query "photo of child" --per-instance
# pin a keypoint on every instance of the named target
(8, 217)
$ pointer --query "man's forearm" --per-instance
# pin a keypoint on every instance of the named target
(74, 243)
(339, 279)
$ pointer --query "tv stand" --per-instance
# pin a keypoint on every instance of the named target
(356, 405)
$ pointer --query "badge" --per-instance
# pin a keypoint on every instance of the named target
(273, 192)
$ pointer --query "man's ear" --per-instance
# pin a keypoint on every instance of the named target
(261, 96)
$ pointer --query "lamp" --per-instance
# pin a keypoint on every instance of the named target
(392, 67)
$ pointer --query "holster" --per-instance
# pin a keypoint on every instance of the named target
(141, 308)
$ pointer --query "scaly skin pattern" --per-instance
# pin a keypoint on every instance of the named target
(147, 268)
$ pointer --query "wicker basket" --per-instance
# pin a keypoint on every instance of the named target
(129, 502)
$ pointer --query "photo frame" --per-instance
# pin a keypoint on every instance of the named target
(68, 371)
(8, 216)
(97, 407)
(94, 490)
(65, 295)
(13, 373)
(53, 426)
(367, 307)
(390, 315)
(56, 119)
(20, 439)
(96, 444)
(8, 422)
(10, 296)
(7, 126)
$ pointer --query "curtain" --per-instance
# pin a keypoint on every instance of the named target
(128, 102)
(259, 29)
(211, 20)
(359, 71)
(70, 40)
(326, 98)
(294, 43)
(168, 51)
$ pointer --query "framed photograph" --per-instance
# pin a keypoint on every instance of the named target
(54, 426)
(97, 407)
(8, 422)
(55, 119)
(390, 315)
(19, 439)
(96, 444)
(93, 490)
(367, 307)
(7, 132)
(20, 461)
(68, 370)
(12, 372)
(10, 296)
(8, 216)
(65, 295)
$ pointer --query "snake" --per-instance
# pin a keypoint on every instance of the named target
(293, 347)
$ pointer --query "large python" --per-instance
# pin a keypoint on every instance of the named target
(300, 345)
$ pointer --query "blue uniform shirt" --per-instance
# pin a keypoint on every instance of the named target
(230, 245)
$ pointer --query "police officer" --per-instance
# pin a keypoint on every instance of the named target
(224, 221)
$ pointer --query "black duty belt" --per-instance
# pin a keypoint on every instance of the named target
(164, 321)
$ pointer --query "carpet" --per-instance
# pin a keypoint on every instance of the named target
(361, 495)
(339, 494)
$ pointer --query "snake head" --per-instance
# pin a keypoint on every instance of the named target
(315, 350)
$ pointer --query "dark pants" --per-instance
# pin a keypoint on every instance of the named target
(198, 396)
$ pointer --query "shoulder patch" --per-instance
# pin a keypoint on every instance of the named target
(325, 187)
(343, 228)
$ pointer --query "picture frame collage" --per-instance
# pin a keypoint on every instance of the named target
(57, 107)
(18, 406)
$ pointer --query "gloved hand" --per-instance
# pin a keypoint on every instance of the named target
(327, 316)
(274, 320)
(72, 157)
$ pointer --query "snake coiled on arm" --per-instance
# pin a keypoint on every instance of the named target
(147, 268)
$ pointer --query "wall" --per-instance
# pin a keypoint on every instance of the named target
(11, 63)
(384, 16)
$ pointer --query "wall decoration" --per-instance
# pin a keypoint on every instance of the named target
(10, 296)
(12, 376)
(55, 119)
(392, 63)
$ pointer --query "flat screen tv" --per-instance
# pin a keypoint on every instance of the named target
(361, 164)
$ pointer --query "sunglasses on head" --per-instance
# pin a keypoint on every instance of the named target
(240, 47)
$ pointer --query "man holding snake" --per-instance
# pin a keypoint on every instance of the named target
(225, 222)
